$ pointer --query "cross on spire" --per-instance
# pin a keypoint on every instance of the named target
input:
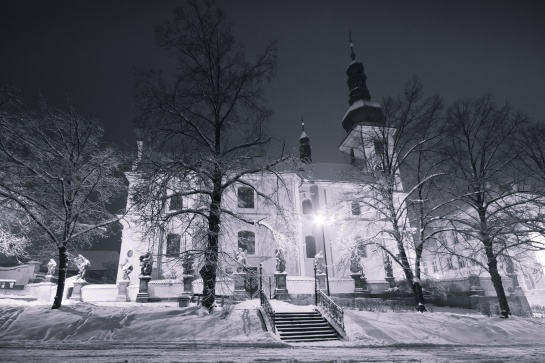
(352, 54)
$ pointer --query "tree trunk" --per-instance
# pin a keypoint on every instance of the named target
(498, 286)
(209, 271)
(63, 264)
(418, 296)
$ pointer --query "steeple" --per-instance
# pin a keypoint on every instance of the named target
(361, 110)
(305, 154)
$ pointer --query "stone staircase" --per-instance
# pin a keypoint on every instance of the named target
(303, 327)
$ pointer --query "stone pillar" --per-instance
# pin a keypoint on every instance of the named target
(360, 285)
(475, 286)
(143, 294)
(122, 293)
(240, 287)
(76, 291)
(281, 291)
(321, 281)
(45, 291)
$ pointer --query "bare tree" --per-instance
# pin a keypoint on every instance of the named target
(203, 133)
(55, 169)
(402, 145)
(489, 205)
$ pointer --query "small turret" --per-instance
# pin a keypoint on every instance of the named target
(305, 153)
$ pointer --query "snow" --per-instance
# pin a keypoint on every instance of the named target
(126, 322)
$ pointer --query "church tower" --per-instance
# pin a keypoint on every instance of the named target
(367, 137)
(305, 153)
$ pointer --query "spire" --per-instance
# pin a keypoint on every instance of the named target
(305, 154)
(303, 134)
(352, 54)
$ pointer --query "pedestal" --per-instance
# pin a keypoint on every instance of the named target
(391, 281)
(122, 294)
(45, 290)
(188, 287)
(48, 278)
(281, 291)
(321, 281)
(360, 285)
(475, 286)
(240, 287)
(183, 301)
(76, 291)
(143, 295)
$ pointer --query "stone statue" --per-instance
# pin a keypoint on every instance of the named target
(145, 264)
(355, 263)
(83, 266)
(280, 260)
(51, 265)
(127, 269)
(320, 262)
(388, 267)
(241, 259)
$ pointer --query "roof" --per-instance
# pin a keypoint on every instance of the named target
(335, 172)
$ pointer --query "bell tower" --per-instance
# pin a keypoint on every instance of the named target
(305, 152)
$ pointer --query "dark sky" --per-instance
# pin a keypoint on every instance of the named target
(88, 50)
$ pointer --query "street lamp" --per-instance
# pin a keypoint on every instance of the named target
(321, 220)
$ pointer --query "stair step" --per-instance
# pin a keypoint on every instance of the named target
(296, 326)
(305, 329)
(301, 340)
(317, 318)
(308, 333)
(310, 337)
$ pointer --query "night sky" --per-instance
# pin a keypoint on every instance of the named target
(87, 50)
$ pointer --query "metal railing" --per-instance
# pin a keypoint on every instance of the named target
(269, 311)
(334, 311)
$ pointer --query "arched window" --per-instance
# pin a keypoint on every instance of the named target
(245, 197)
(311, 246)
(362, 248)
(246, 241)
(307, 206)
(356, 210)
(173, 244)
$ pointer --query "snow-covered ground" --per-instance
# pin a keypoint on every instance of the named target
(165, 322)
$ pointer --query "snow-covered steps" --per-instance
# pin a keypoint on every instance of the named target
(303, 327)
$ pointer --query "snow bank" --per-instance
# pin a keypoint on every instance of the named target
(127, 322)
(165, 322)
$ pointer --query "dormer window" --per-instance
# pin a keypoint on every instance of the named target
(245, 197)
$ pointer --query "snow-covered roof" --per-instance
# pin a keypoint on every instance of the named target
(361, 104)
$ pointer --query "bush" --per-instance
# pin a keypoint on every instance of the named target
(377, 305)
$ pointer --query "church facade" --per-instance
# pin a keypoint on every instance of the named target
(314, 212)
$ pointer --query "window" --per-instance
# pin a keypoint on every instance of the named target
(246, 241)
(173, 244)
(455, 239)
(356, 210)
(434, 266)
(425, 267)
(307, 206)
(362, 249)
(450, 265)
(245, 197)
(311, 246)
(175, 202)
(379, 147)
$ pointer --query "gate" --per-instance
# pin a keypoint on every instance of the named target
(251, 283)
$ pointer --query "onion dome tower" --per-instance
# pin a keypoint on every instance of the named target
(361, 110)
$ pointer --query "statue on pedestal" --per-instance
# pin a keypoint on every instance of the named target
(388, 267)
(280, 260)
(83, 266)
(127, 269)
(241, 259)
(355, 264)
(145, 264)
(320, 262)
(51, 265)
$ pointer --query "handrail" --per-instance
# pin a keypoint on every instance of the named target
(269, 311)
(333, 310)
